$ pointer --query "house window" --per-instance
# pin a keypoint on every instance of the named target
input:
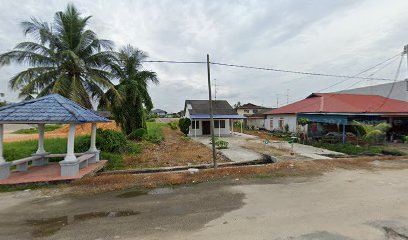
(246, 111)
(281, 123)
(217, 123)
(195, 124)
(255, 111)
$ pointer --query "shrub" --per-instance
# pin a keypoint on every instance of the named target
(110, 140)
(303, 121)
(286, 127)
(184, 125)
(82, 143)
(138, 134)
(133, 148)
(221, 144)
(173, 125)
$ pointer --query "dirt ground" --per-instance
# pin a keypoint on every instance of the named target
(368, 202)
(289, 168)
(175, 150)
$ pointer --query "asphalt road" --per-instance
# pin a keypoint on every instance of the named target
(338, 205)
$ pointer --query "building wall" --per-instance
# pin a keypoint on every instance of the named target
(243, 112)
(272, 122)
(217, 131)
(256, 122)
(399, 91)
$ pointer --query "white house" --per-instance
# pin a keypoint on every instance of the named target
(278, 122)
(199, 113)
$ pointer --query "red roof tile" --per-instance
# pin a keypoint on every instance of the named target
(343, 103)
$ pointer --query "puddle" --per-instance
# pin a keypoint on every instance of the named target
(131, 194)
(49, 226)
(156, 191)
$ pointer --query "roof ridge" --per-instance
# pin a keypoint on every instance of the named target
(57, 98)
(63, 110)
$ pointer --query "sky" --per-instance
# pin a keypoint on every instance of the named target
(333, 37)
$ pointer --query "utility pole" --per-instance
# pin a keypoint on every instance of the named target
(211, 113)
(406, 52)
(215, 89)
(277, 100)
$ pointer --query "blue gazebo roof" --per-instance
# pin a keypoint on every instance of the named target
(52, 108)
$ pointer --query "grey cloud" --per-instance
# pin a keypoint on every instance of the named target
(340, 37)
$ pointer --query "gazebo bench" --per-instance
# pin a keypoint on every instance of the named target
(22, 164)
(83, 159)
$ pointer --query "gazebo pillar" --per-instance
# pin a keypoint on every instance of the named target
(70, 165)
(4, 166)
(92, 148)
(41, 151)
(41, 130)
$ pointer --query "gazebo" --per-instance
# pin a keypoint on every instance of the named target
(50, 109)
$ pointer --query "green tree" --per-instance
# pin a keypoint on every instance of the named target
(184, 125)
(131, 109)
(65, 58)
(371, 133)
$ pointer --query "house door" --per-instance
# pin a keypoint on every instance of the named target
(206, 127)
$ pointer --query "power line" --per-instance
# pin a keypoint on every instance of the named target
(364, 71)
(393, 84)
(298, 72)
(268, 69)
(368, 69)
(372, 74)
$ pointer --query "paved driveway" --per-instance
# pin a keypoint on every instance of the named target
(306, 150)
(235, 151)
(238, 153)
(340, 205)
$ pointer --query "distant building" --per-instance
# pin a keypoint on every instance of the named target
(199, 113)
(397, 90)
(159, 113)
(254, 115)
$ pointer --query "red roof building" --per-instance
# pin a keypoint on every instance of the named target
(344, 103)
(328, 111)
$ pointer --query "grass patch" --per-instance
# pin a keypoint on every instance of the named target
(22, 149)
(351, 149)
(155, 132)
(47, 128)
(18, 150)
(115, 160)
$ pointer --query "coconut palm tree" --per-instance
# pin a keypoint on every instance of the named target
(371, 133)
(66, 58)
(130, 110)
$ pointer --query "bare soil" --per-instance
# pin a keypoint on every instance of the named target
(175, 150)
(289, 168)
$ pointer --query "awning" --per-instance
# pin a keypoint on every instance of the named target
(324, 118)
